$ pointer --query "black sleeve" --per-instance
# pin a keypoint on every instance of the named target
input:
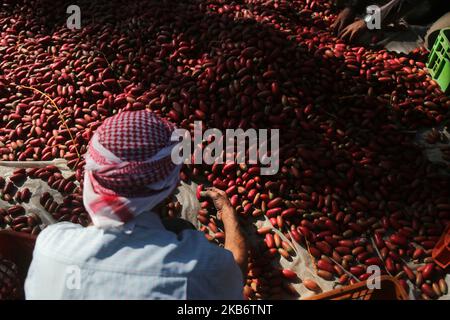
(357, 5)
(396, 9)
(442, 6)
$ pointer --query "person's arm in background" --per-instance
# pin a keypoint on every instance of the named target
(234, 237)
(349, 10)
(395, 10)
(390, 12)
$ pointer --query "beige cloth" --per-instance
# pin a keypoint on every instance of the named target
(433, 32)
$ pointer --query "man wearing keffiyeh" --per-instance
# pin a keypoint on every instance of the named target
(128, 253)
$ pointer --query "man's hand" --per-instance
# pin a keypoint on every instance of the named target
(345, 17)
(221, 202)
(234, 237)
(353, 31)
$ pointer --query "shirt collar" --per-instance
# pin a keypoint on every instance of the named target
(147, 220)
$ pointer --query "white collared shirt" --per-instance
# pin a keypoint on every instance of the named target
(141, 260)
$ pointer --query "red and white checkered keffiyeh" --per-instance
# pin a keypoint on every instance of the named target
(129, 169)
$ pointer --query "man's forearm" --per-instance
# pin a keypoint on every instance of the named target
(235, 240)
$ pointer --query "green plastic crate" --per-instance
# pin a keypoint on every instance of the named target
(439, 61)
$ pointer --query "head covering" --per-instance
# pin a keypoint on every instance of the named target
(128, 169)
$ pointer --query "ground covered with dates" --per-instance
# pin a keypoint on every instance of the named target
(353, 187)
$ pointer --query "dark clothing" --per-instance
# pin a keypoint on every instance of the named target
(417, 12)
